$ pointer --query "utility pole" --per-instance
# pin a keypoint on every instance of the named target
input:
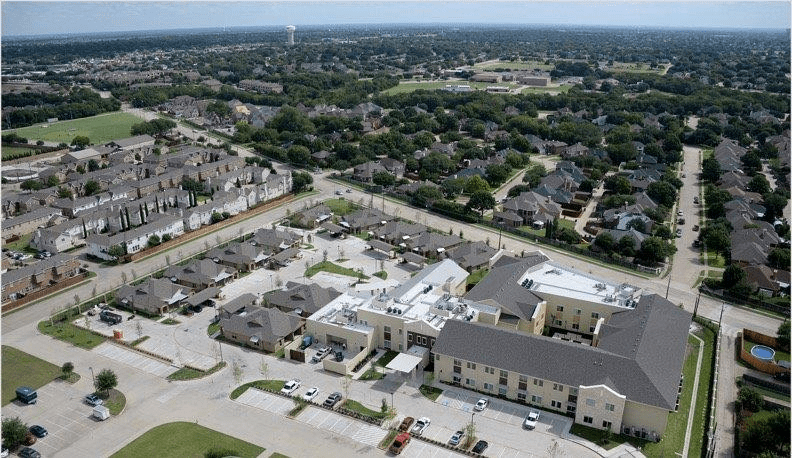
(669, 284)
(695, 308)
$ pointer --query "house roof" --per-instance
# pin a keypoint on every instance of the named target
(57, 261)
(472, 254)
(308, 298)
(152, 294)
(238, 253)
(238, 303)
(640, 353)
(501, 288)
(203, 296)
(200, 272)
(267, 324)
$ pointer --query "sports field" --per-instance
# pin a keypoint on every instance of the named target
(99, 129)
(410, 86)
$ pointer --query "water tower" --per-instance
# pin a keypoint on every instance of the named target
(290, 34)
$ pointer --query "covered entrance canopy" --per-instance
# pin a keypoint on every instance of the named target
(407, 362)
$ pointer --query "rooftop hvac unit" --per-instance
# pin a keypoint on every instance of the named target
(390, 309)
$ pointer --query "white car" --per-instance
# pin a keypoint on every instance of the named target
(310, 394)
(481, 405)
(531, 419)
(320, 354)
(420, 426)
(290, 387)
(680, 213)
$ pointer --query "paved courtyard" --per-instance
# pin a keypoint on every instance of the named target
(134, 359)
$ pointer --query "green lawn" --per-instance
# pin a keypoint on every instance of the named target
(404, 87)
(386, 358)
(477, 276)
(430, 392)
(114, 400)
(341, 207)
(99, 129)
(522, 65)
(15, 152)
(213, 328)
(361, 409)
(184, 439)
(272, 385)
(70, 333)
(278, 455)
(381, 274)
(22, 369)
(763, 391)
(547, 89)
(700, 410)
(23, 244)
(188, 373)
(328, 266)
(714, 259)
(372, 374)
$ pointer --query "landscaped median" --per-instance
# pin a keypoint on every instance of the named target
(328, 266)
(273, 386)
(190, 373)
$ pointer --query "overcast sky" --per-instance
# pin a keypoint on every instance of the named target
(38, 18)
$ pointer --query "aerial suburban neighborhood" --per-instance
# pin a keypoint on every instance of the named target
(422, 239)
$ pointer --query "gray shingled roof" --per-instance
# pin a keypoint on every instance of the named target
(649, 375)
(268, 324)
(500, 288)
(308, 298)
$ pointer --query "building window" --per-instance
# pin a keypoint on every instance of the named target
(578, 311)
(591, 329)
(538, 382)
(386, 328)
(502, 391)
(470, 381)
(386, 344)
(558, 387)
(523, 383)
(536, 399)
(559, 323)
(555, 404)
(559, 308)
(488, 386)
(504, 374)
(591, 402)
(521, 397)
(400, 332)
(409, 336)
(400, 347)
(457, 362)
(471, 365)
(437, 357)
(575, 326)
(606, 424)
(570, 408)
(609, 407)
(594, 315)
(457, 379)
(489, 370)
(587, 419)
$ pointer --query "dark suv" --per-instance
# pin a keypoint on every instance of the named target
(332, 400)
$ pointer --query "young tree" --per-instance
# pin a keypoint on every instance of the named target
(106, 380)
(67, 369)
(481, 201)
(782, 337)
(80, 141)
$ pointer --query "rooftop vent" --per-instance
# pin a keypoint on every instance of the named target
(390, 309)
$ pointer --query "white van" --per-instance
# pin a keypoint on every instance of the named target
(101, 413)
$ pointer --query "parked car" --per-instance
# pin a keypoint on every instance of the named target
(681, 221)
(320, 354)
(349, 190)
(481, 404)
(696, 227)
(38, 431)
(480, 447)
(420, 426)
(406, 423)
(332, 400)
(338, 193)
(310, 394)
(696, 200)
(28, 452)
(531, 419)
(679, 232)
(290, 387)
(93, 400)
(680, 213)
(3, 451)
(399, 443)
(456, 438)
(339, 355)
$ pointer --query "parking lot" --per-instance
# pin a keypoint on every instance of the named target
(134, 359)
(61, 411)
(315, 416)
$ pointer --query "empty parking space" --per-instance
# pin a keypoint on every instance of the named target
(341, 425)
(419, 449)
(134, 359)
(164, 345)
(60, 409)
(266, 401)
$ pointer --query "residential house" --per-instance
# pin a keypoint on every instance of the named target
(242, 256)
(766, 280)
(201, 274)
(531, 207)
(398, 233)
(28, 222)
(312, 217)
(136, 239)
(366, 171)
(155, 296)
(302, 300)
(365, 219)
(473, 255)
(266, 329)
(433, 244)
(275, 240)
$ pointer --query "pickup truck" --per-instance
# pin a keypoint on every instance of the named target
(399, 443)
(320, 354)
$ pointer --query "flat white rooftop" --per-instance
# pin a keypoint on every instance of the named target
(551, 278)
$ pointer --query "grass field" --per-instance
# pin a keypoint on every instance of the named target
(341, 207)
(624, 67)
(431, 85)
(272, 385)
(363, 410)
(182, 440)
(523, 65)
(13, 152)
(22, 369)
(547, 90)
(99, 129)
(70, 333)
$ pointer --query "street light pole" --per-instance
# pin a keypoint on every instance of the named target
(92, 376)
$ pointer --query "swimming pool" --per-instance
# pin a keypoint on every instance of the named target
(762, 352)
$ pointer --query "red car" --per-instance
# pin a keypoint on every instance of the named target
(399, 443)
